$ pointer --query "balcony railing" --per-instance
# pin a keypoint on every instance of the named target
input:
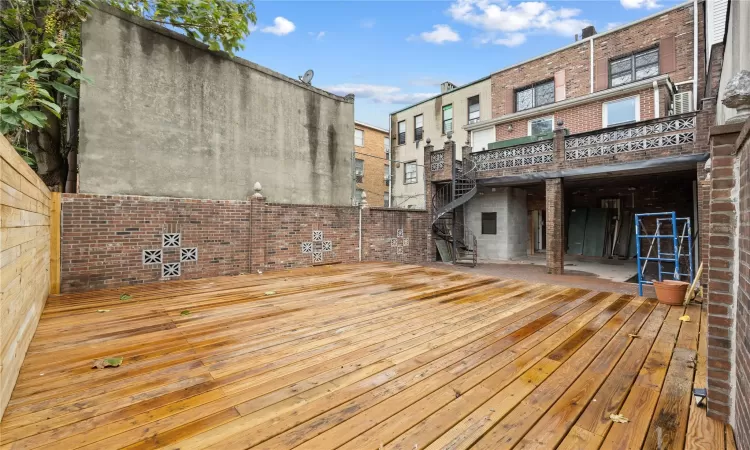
(657, 133)
(437, 160)
(518, 156)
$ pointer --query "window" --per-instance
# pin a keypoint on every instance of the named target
(359, 138)
(387, 174)
(358, 197)
(410, 172)
(634, 67)
(618, 112)
(418, 122)
(489, 223)
(402, 132)
(537, 95)
(542, 125)
(474, 109)
(447, 119)
(386, 200)
(387, 146)
(359, 169)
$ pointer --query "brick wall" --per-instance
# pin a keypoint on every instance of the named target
(578, 119)
(722, 272)
(373, 155)
(575, 63)
(742, 339)
(103, 237)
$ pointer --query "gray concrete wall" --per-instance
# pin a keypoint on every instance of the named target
(167, 117)
(511, 240)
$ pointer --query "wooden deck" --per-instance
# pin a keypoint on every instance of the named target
(359, 357)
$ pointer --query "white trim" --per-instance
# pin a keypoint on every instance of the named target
(567, 103)
(528, 123)
(695, 53)
(637, 110)
(656, 100)
(367, 125)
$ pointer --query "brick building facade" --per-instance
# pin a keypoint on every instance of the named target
(372, 165)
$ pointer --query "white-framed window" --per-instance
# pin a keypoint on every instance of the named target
(621, 111)
(359, 138)
(541, 125)
(359, 169)
(387, 146)
(386, 200)
(418, 127)
(637, 66)
(402, 132)
(473, 109)
(447, 119)
(410, 172)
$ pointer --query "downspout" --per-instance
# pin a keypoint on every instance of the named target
(362, 205)
(591, 65)
(656, 100)
(695, 55)
(390, 165)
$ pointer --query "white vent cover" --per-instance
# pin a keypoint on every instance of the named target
(682, 102)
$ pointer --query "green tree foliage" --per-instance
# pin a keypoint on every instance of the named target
(41, 69)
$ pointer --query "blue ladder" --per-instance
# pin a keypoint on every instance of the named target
(680, 231)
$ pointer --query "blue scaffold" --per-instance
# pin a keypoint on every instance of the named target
(672, 236)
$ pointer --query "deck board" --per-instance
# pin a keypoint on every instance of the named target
(359, 356)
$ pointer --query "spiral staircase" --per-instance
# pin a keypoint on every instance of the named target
(447, 210)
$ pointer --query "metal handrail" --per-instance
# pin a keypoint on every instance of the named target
(450, 196)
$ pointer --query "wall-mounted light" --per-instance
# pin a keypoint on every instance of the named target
(510, 128)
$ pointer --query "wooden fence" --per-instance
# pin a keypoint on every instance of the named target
(25, 276)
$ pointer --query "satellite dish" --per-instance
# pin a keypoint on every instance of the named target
(307, 77)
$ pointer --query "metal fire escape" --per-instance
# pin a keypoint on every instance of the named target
(447, 210)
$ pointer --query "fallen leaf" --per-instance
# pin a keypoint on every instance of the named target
(103, 310)
(107, 362)
(185, 313)
(125, 297)
(618, 418)
(633, 335)
(685, 318)
(270, 292)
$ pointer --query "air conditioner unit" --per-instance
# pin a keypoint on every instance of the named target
(682, 102)
(358, 173)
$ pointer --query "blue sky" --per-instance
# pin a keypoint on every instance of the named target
(395, 53)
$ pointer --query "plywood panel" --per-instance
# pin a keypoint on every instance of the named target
(24, 262)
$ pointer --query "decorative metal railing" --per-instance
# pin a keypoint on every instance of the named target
(518, 156)
(437, 160)
(668, 132)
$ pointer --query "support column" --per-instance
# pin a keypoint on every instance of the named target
(428, 192)
(555, 226)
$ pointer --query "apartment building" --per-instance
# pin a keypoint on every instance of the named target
(582, 138)
(449, 112)
(371, 164)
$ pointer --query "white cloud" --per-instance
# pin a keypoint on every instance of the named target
(319, 35)
(379, 93)
(508, 24)
(636, 4)
(613, 25)
(508, 39)
(281, 27)
(439, 35)
(367, 23)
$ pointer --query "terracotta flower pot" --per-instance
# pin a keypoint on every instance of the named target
(671, 292)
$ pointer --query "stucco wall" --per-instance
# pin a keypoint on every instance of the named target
(511, 240)
(736, 53)
(412, 195)
(166, 117)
